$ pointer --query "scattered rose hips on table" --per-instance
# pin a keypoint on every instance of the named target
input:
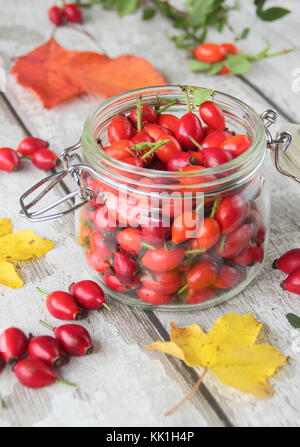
(289, 263)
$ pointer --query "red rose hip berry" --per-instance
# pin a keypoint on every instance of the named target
(288, 262)
(212, 115)
(56, 15)
(73, 13)
(9, 159)
(292, 283)
(62, 305)
(44, 159)
(13, 344)
(28, 146)
(210, 53)
(45, 348)
(89, 295)
(73, 338)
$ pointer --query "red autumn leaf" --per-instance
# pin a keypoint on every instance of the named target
(55, 74)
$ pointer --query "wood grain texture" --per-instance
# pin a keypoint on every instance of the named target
(135, 387)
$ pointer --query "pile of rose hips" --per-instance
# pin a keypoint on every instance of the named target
(34, 358)
(32, 148)
(212, 53)
(86, 295)
(289, 263)
(70, 12)
(159, 264)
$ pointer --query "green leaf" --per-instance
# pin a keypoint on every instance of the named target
(294, 320)
(196, 65)
(244, 34)
(238, 64)
(272, 13)
(125, 7)
(215, 68)
(148, 13)
(200, 95)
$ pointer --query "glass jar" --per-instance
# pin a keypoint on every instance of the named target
(126, 215)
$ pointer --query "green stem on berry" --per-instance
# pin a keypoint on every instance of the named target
(183, 289)
(42, 291)
(199, 207)
(146, 245)
(155, 148)
(107, 307)
(65, 382)
(185, 91)
(111, 260)
(167, 106)
(195, 143)
(46, 325)
(195, 252)
(139, 108)
(215, 208)
(222, 244)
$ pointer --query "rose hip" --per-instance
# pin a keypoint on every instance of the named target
(44, 159)
(120, 128)
(189, 130)
(165, 283)
(200, 296)
(9, 159)
(62, 305)
(162, 260)
(288, 262)
(201, 276)
(237, 144)
(148, 115)
(153, 297)
(235, 242)
(73, 338)
(212, 115)
(231, 212)
(95, 262)
(34, 373)
(45, 348)
(228, 277)
(73, 13)
(130, 240)
(181, 160)
(125, 268)
(215, 156)
(28, 146)
(113, 282)
(215, 139)
(13, 344)
(100, 247)
(168, 121)
(292, 283)
(56, 15)
(89, 295)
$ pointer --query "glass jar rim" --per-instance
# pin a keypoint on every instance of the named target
(250, 160)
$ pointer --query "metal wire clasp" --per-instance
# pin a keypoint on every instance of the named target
(75, 172)
(279, 144)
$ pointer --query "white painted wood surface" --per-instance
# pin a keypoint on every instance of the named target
(122, 384)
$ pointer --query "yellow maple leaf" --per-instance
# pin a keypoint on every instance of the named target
(9, 277)
(23, 245)
(228, 350)
(5, 227)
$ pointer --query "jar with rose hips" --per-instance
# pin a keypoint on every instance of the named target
(174, 204)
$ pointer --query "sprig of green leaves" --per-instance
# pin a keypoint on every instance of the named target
(238, 64)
